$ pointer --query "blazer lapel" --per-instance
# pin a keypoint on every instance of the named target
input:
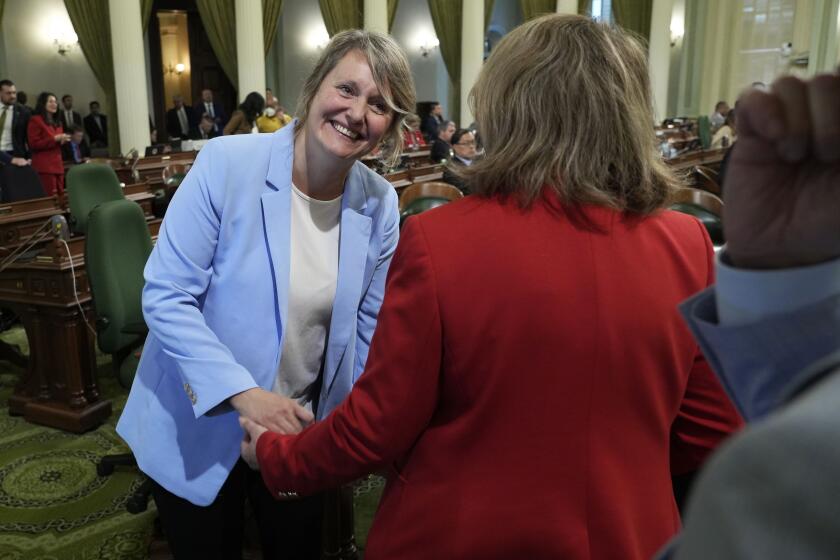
(354, 239)
(276, 209)
(352, 258)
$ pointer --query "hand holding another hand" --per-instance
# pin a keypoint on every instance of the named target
(248, 447)
(276, 412)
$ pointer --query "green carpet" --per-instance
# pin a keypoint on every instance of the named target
(53, 506)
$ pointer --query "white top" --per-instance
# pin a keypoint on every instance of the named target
(6, 144)
(312, 281)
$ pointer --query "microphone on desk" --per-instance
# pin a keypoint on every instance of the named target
(58, 227)
(135, 159)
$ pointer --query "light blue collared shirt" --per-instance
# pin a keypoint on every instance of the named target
(746, 296)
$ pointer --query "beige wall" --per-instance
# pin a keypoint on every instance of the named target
(33, 62)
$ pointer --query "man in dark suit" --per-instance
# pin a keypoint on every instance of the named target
(96, 126)
(76, 150)
(215, 110)
(179, 119)
(69, 117)
(441, 148)
(204, 130)
(13, 122)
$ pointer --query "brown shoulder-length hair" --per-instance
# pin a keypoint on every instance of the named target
(564, 102)
(391, 73)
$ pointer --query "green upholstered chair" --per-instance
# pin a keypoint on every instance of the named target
(420, 197)
(704, 206)
(117, 245)
(704, 131)
(421, 204)
(88, 186)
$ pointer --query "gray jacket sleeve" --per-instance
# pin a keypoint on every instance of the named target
(774, 491)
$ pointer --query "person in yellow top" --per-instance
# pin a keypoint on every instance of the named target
(273, 118)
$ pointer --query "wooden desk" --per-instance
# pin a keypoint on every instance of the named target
(399, 179)
(418, 158)
(426, 173)
(19, 220)
(144, 197)
(150, 169)
(59, 388)
(412, 158)
(685, 162)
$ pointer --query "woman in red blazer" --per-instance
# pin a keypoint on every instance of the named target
(45, 137)
(531, 388)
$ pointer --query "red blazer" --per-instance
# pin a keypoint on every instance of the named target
(530, 387)
(46, 152)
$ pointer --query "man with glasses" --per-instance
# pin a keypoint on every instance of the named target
(463, 146)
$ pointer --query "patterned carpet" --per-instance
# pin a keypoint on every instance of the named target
(53, 506)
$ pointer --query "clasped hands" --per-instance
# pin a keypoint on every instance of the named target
(261, 411)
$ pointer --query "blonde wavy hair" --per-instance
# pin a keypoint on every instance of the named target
(564, 102)
(391, 73)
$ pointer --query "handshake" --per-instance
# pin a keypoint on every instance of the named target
(261, 411)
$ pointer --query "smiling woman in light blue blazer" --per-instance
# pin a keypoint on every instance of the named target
(262, 296)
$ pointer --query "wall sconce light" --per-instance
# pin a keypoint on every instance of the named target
(427, 44)
(677, 32)
(176, 69)
(318, 38)
(66, 43)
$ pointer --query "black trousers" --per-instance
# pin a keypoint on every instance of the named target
(289, 530)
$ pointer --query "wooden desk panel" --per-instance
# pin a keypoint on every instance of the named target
(19, 220)
(426, 173)
(150, 169)
(685, 162)
(59, 388)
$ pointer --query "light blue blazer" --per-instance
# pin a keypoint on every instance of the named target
(216, 299)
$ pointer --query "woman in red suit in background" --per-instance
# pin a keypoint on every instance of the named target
(45, 139)
(531, 388)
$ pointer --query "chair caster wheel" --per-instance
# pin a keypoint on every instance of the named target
(136, 505)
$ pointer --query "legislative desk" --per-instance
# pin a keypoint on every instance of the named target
(19, 220)
(426, 173)
(49, 292)
(147, 169)
(150, 169)
(687, 161)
